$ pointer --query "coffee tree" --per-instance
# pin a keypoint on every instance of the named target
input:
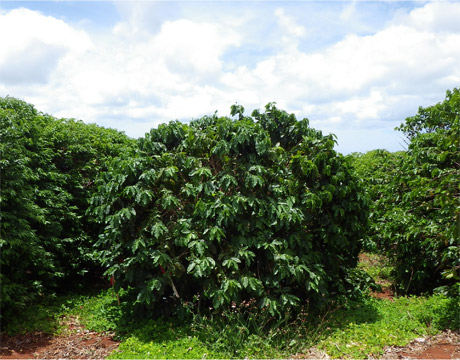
(226, 210)
(376, 169)
(48, 168)
(421, 226)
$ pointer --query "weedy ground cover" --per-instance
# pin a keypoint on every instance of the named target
(365, 329)
(353, 330)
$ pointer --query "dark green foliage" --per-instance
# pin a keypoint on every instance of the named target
(376, 169)
(48, 167)
(421, 225)
(225, 210)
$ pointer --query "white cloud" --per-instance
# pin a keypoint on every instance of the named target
(34, 46)
(364, 108)
(193, 47)
(288, 24)
(157, 65)
(31, 64)
(141, 19)
(433, 17)
(360, 78)
(24, 25)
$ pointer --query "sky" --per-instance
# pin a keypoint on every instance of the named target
(356, 69)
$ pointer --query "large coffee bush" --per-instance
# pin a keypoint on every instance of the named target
(421, 225)
(48, 167)
(228, 209)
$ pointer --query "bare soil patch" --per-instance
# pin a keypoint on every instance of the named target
(75, 342)
(386, 293)
(443, 346)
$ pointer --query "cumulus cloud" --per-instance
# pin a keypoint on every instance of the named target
(31, 64)
(189, 47)
(141, 19)
(157, 65)
(433, 17)
(357, 75)
(35, 45)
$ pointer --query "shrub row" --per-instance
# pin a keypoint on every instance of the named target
(415, 216)
(48, 168)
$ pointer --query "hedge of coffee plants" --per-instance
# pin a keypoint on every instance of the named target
(223, 210)
(48, 169)
(414, 214)
(421, 224)
(376, 169)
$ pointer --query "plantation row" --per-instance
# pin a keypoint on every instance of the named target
(223, 210)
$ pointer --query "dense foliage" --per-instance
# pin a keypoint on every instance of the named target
(48, 167)
(415, 215)
(422, 228)
(376, 169)
(225, 210)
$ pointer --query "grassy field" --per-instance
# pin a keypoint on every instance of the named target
(355, 330)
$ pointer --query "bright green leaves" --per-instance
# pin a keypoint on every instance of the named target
(253, 181)
(231, 263)
(253, 284)
(202, 173)
(167, 200)
(415, 207)
(232, 210)
(426, 190)
(215, 234)
(158, 229)
(160, 258)
(144, 197)
(227, 182)
(198, 247)
(49, 169)
(201, 267)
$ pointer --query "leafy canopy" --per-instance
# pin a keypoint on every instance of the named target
(416, 216)
(48, 168)
(226, 209)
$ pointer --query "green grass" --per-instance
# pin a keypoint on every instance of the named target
(163, 339)
(361, 329)
(366, 328)
(357, 330)
(97, 312)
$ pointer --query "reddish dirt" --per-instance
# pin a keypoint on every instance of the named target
(438, 351)
(75, 342)
(386, 294)
(443, 346)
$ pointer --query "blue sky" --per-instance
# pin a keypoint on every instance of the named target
(353, 68)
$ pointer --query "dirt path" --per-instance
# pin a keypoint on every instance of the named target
(75, 343)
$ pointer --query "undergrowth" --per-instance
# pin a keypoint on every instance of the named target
(355, 330)
(41, 317)
(364, 329)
